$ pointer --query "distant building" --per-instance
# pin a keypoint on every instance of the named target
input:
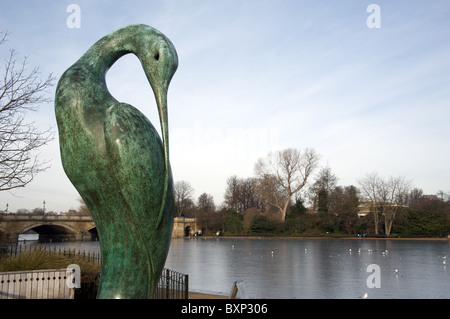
(430, 197)
(365, 207)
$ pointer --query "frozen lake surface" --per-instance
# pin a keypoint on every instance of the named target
(312, 268)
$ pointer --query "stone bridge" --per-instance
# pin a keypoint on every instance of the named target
(62, 227)
(72, 227)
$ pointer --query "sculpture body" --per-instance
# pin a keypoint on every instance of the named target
(116, 160)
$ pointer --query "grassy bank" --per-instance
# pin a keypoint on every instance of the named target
(46, 259)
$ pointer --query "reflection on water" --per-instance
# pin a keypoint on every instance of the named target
(311, 268)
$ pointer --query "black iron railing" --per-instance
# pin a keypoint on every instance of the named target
(7, 251)
(171, 285)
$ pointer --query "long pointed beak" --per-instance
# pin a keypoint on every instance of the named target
(161, 101)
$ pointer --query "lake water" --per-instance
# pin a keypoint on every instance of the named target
(312, 268)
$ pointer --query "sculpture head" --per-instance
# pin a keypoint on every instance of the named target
(160, 61)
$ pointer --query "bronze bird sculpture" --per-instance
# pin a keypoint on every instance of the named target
(117, 161)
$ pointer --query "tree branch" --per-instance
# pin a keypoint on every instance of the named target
(21, 91)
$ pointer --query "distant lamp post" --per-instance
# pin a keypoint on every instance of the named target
(44, 207)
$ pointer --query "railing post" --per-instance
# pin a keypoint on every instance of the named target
(186, 286)
(167, 282)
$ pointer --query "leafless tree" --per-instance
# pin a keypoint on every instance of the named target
(83, 209)
(183, 196)
(232, 192)
(241, 193)
(21, 91)
(272, 194)
(369, 189)
(387, 196)
(285, 171)
(205, 203)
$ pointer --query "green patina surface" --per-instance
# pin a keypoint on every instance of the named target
(117, 161)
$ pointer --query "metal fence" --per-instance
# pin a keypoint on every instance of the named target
(171, 285)
(8, 251)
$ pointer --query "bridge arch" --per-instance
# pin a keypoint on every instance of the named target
(52, 232)
(63, 227)
(90, 233)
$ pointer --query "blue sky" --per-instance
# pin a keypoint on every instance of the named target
(260, 76)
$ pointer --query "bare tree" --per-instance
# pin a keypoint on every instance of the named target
(369, 188)
(183, 196)
(205, 203)
(272, 194)
(83, 209)
(232, 192)
(387, 196)
(241, 193)
(395, 196)
(21, 91)
(287, 170)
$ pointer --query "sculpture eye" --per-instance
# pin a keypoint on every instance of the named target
(156, 56)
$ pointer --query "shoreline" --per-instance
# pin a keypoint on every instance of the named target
(320, 238)
(205, 295)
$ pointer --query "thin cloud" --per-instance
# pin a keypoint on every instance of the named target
(257, 76)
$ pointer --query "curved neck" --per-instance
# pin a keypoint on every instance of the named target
(106, 51)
